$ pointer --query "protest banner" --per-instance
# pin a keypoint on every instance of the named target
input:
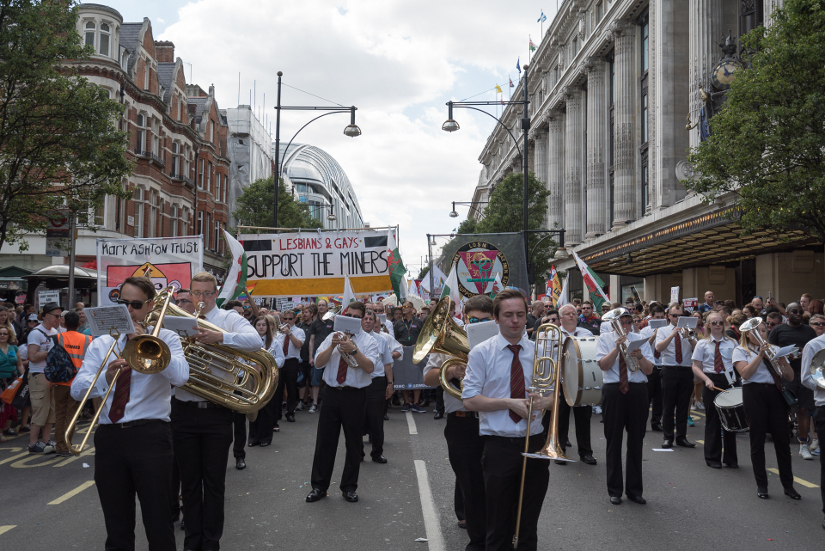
(405, 374)
(170, 261)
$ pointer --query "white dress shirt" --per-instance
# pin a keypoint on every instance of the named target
(808, 354)
(389, 326)
(606, 344)
(239, 335)
(384, 355)
(761, 375)
(357, 378)
(669, 354)
(276, 351)
(705, 352)
(294, 352)
(646, 332)
(578, 332)
(488, 374)
(149, 395)
(451, 405)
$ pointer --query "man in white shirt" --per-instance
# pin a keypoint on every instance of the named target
(345, 398)
(582, 414)
(654, 380)
(379, 390)
(808, 354)
(624, 403)
(290, 339)
(499, 374)
(133, 443)
(203, 430)
(677, 379)
(40, 390)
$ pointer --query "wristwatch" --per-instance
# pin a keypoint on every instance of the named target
(354, 352)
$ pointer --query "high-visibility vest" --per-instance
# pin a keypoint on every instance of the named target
(75, 344)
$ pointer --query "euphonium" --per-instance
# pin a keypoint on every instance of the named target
(752, 325)
(443, 335)
(614, 317)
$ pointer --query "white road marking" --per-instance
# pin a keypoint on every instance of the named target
(73, 493)
(4, 529)
(431, 522)
(411, 423)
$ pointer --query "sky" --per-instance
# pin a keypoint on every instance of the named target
(397, 61)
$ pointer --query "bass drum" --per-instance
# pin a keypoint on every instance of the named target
(583, 378)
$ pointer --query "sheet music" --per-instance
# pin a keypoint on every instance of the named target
(103, 319)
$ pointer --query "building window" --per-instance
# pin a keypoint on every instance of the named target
(174, 221)
(599, 11)
(200, 223)
(175, 159)
(200, 175)
(100, 215)
(104, 39)
(225, 185)
(146, 69)
(90, 34)
(217, 235)
(645, 182)
(139, 212)
(140, 140)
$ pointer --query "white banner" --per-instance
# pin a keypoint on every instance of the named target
(170, 261)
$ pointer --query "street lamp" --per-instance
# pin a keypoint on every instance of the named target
(450, 125)
(351, 130)
(454, 214)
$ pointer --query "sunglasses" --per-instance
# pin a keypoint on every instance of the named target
(476, 320)
(675, 315)
(771, 324)
(205, 294)
(717, 322)
(288, 319)
(353, 316)
(815, 324)
(135, 304)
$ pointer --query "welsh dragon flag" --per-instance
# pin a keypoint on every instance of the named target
(235, 282)
(397, 269)
(593, 283)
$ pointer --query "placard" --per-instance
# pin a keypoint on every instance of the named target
(405, 374)
(674, 294)
(103, 319)
(690, 305)
(46, 296)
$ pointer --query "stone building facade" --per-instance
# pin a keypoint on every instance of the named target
(616, 90)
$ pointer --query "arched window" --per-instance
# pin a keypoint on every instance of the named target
(90, 34)
(104, 39)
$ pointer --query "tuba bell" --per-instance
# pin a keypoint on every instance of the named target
(818, 369)
(443, 335)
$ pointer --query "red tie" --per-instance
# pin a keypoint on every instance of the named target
(678, 348)
(123, 387)
(623, 384)
(718, 366)
(286, 345)
(516, 379)
(342, 372)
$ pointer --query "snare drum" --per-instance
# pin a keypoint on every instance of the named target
(582, 377)
(731, 408)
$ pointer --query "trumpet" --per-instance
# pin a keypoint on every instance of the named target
(752, 325)
(614, 317)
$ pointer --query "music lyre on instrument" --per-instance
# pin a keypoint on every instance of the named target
(443, 335)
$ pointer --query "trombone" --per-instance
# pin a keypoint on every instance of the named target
(146, 354)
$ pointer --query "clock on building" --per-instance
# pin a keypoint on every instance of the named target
(723, 74)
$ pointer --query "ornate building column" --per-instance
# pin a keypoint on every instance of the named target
(707, 28)
(555, 170)
(624, 139)
(541, 156)
(597, 207)
(573, 140)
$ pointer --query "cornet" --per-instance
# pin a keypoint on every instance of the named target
(614, 317)
(348, 358)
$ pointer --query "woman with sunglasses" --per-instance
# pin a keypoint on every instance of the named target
(260, 430)
(765, 408)
(11, 367)
(713, 366)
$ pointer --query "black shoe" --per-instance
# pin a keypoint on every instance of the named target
(683, 442)
(560, 462)
(252, 443)
(264, 444)
(386, 417)
(714, 465)
(290, 418)
(380, 459)
(792, 493)
(615, 500)
(637, 499)
(349, 495)
(240, 464)
(315, 495)
(438, 415)
(667, 443)
(463, 524)
(567, 444)
(732, 465)
(588, 458)
(762, 493)
(655, 426)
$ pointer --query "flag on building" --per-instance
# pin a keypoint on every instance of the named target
(498, 89)
(518, 65)
(542, 17)
(511, 83)
(349, 296)
(451, 287)
(532, 46)
(397, 269)
(593, 283)
(235, 282)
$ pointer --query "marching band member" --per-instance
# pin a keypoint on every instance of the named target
(499, 372)
(290, 339)
(138, 460)
(345, 398)
(379, 390)
(808, 354)
(677, 378)
(765, 409)
(624, 404)
(203, 430)
(654, 380)
(260, 430)
(713, 366)
(582, 414)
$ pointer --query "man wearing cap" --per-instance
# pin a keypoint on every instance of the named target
(40, 390)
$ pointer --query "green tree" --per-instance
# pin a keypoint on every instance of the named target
(768, 142)
(424, 271)
(59, 144)
(254, 207)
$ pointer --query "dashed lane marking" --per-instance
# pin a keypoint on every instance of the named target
(69, 495)
(431, 523)
(797, 480)
(411, 423)
(4, 529)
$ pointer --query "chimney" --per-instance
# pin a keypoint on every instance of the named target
(212, 90)
(165, 51)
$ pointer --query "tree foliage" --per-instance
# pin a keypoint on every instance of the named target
(254, 207)
(59, 144)
(768, 142)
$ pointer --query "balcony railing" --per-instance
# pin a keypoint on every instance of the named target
(142, 154)
(157, 159)
(181, 178)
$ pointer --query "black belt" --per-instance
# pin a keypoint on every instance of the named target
(135, 423)
(679, 366)
(464, 414)
(342, 388)
(198, 404)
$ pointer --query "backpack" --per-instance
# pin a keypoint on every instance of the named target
(59, 365)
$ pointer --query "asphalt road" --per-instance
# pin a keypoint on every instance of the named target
(51, 502)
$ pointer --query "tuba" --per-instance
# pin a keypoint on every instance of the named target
(614, 317)
(443, 335)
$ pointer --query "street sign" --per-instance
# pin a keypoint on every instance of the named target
(57, 233)
(49, 295)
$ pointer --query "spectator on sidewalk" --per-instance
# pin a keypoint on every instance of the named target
(40, 390)
(65, 406)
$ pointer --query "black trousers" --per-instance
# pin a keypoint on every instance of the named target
(582, 415)
(819, 422)
(288, 379)
(439, 400)
(715, 437)
(458, 501)
(502, 464)
(624, 413)
(343, 408)
(202, 439)
(129, 461)
(654, 393)
(677, 387)
(465, 448)
(766, 412)
(374, 416)
(239, 426)
(174, 492)
(260, 430)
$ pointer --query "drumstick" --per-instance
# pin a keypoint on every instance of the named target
(720, 389)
